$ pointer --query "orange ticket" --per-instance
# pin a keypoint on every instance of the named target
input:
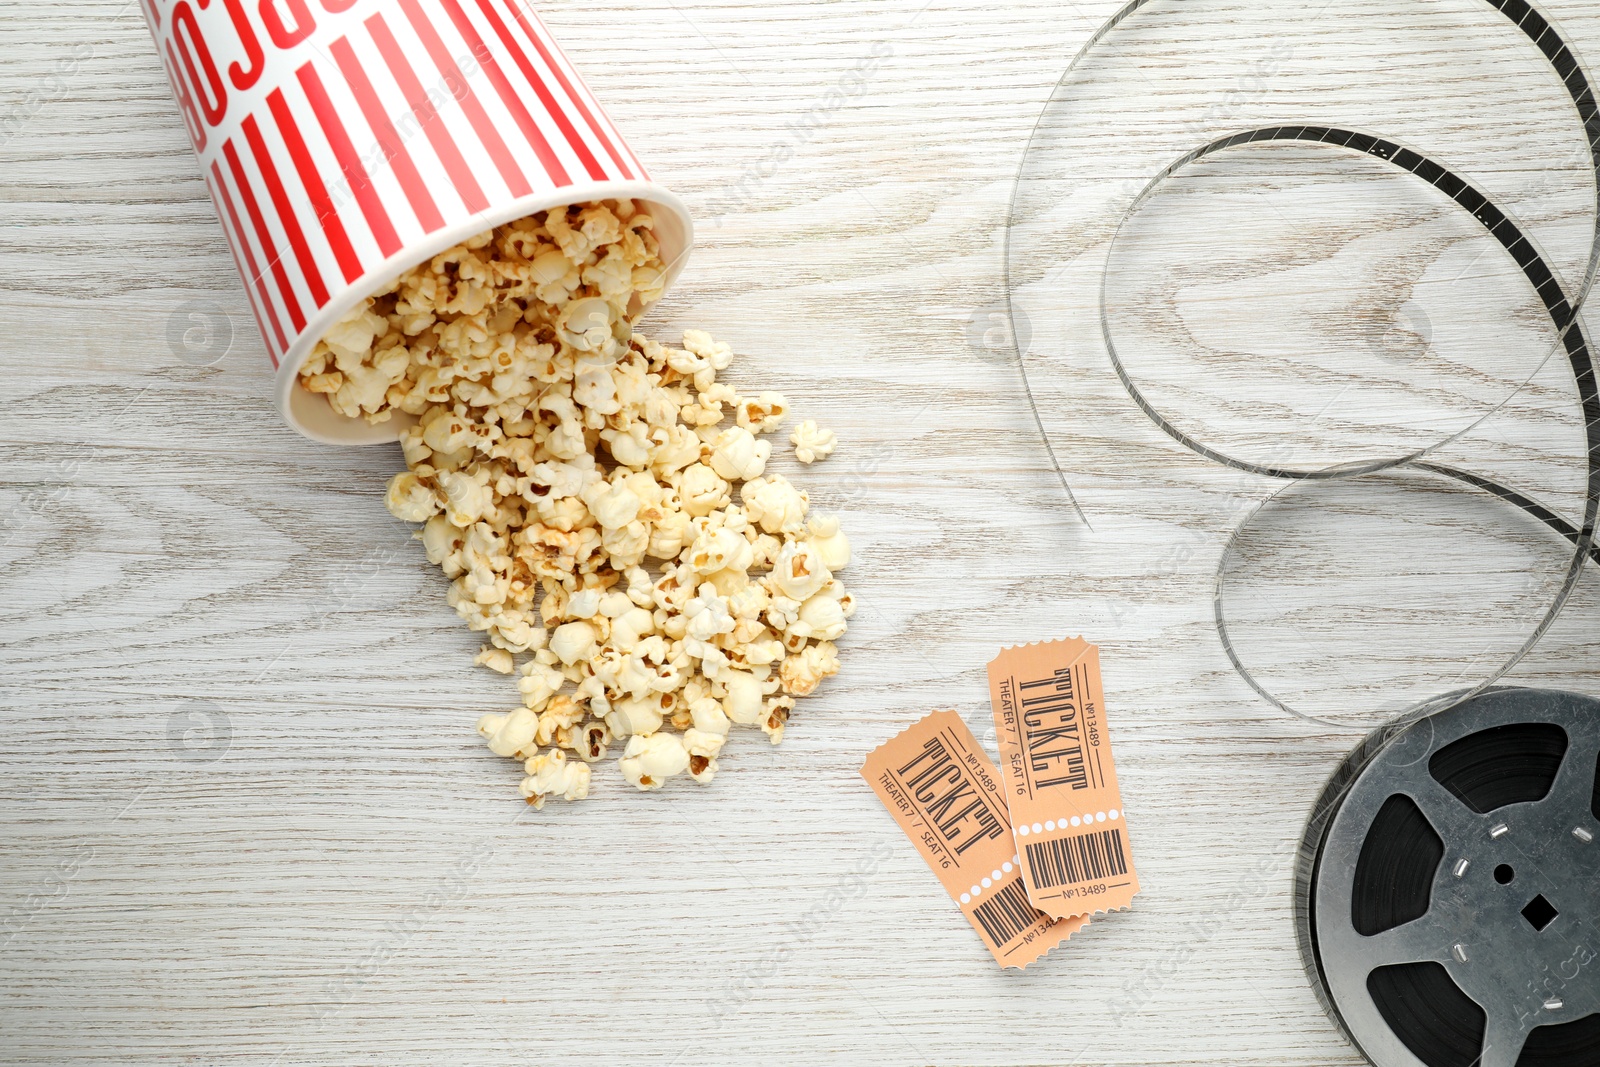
(1060, 780)
(945, 794)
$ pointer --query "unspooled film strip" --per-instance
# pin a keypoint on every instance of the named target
(1562, 305)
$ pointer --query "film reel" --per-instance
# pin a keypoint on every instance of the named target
(1448, 886)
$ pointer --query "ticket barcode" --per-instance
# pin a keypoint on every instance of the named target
(1089, 857)
(1007, 913)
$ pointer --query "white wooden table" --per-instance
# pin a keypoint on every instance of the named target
(243, 814)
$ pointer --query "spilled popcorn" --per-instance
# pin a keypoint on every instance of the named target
(617, 541)
(812, 443)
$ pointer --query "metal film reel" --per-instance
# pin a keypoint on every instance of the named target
(1448, 886)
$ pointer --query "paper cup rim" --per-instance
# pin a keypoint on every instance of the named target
(309, 413)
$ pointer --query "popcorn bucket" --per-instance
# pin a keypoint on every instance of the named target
(345, 141)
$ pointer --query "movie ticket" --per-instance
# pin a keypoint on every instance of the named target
(945, 794)
(1060, 782)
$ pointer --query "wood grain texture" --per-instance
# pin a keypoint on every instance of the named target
(336, 872)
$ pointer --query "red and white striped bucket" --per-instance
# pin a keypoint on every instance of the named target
(346, 141)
